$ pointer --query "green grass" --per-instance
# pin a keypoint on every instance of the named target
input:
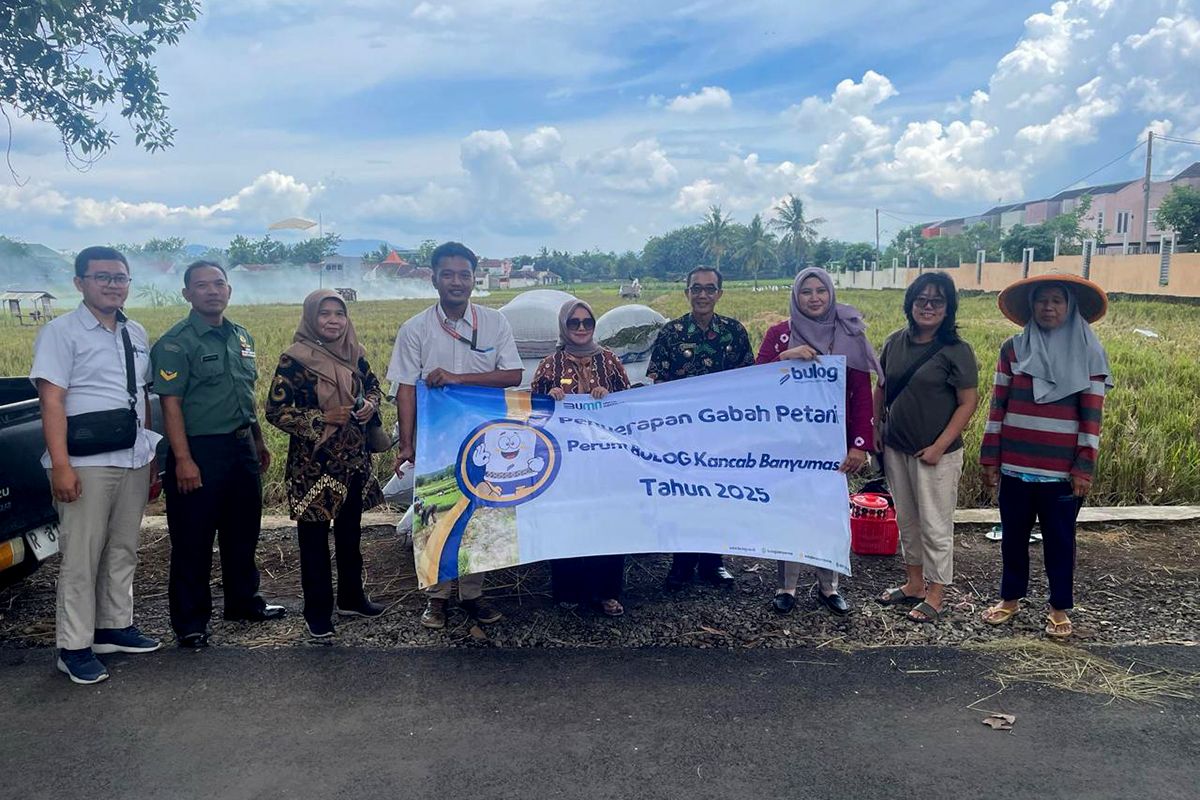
(1150, 450)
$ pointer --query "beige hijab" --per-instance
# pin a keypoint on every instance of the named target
(334, 363)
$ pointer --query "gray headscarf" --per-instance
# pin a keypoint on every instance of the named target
(1062, 361)
(564, 341)
(840, 331)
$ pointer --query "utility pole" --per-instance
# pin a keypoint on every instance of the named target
(878, 255)
(1144, 247)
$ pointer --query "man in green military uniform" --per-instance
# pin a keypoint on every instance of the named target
(204, 371)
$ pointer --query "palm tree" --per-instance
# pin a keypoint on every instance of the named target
(715, 228)
(757, 247)
(798, 233)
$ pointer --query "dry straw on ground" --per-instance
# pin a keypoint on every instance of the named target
(1075, 670)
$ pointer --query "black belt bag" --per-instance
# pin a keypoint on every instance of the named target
(107, 431)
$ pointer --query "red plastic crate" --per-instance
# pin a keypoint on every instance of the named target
(871, 536)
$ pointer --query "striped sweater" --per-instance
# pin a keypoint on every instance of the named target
(1056, 440)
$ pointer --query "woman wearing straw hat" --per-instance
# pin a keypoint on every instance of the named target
(1043, 431)
(324, 395)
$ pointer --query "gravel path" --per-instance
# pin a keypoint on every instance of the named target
(1135, 584)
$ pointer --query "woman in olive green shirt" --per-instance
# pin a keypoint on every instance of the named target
(921, 440)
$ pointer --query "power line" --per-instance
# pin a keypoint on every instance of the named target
(1126, 154)
(1178, 140)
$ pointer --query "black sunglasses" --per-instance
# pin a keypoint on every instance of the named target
(587, 323)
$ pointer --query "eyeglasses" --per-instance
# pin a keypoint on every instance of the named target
(587, 323)
(934, 303)
(110, 280)
(697, 289)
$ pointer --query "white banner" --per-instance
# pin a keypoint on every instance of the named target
(742, 462)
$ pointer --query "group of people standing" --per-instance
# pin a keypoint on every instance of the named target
(1039, 448)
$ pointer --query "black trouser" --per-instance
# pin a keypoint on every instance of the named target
(1055, 506)
(587, 579)
(685, 564)
(227, 506)
(315, 575)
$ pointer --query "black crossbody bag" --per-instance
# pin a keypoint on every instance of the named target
(894, 389)
(106, 431)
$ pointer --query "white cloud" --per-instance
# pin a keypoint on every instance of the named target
(696, 197)
(543, 146)
(430, 12)
(641, 169)
(269, 197)
(35, 198)
(1077, 123)
(502, 188)
(710, 98)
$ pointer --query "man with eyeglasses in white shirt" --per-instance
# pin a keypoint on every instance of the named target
(91, 361)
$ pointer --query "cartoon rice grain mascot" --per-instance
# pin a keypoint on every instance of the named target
(510, 461)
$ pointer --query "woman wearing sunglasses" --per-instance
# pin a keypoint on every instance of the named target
(817, 326)
(581, 366)
(920, 414)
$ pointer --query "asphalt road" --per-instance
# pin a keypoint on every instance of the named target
(331, 722)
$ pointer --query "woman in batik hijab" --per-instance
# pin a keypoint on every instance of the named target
(1043, 433)
(819, 325)
(323, 396)
(581, 366)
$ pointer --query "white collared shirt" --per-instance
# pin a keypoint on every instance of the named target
(423, 345)
(75, 352)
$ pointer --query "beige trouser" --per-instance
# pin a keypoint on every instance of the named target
(925, 498)
(469, 587)
(98, 538)
(789, 577)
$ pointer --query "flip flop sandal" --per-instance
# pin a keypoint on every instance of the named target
(897, 597)
(1058, 630)
(931, 614)
(998, 615)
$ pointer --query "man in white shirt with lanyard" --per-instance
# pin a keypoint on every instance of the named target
(81, 366)
(454, 341)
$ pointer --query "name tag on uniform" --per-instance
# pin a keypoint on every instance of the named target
(247, 352)
(210, 357)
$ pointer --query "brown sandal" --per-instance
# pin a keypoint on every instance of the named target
(1058, 630)
(998, 614)
(611, 608)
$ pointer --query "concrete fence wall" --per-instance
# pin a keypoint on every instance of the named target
(1133, 274)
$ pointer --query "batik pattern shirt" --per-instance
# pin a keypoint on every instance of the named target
(683, 350)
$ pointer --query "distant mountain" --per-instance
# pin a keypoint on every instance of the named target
(195, 250)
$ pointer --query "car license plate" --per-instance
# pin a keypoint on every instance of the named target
(43, 541)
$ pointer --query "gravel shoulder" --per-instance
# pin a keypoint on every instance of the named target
(1136, 585)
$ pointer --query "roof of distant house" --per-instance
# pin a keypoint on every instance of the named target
(1103, 188)
(394, 258)
(1191, 172)
(1010, 207)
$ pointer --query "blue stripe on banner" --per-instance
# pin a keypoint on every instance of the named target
(448, 563)
(543, 408)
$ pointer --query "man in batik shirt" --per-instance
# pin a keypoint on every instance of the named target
(699, 343)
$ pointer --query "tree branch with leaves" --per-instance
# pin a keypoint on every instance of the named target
(64, 61)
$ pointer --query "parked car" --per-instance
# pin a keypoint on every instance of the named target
(28, 522)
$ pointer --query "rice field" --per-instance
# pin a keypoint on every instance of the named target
(1150, 450)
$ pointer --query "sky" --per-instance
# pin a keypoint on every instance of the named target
(516, 124)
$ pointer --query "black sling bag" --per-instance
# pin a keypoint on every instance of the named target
(106, 431)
